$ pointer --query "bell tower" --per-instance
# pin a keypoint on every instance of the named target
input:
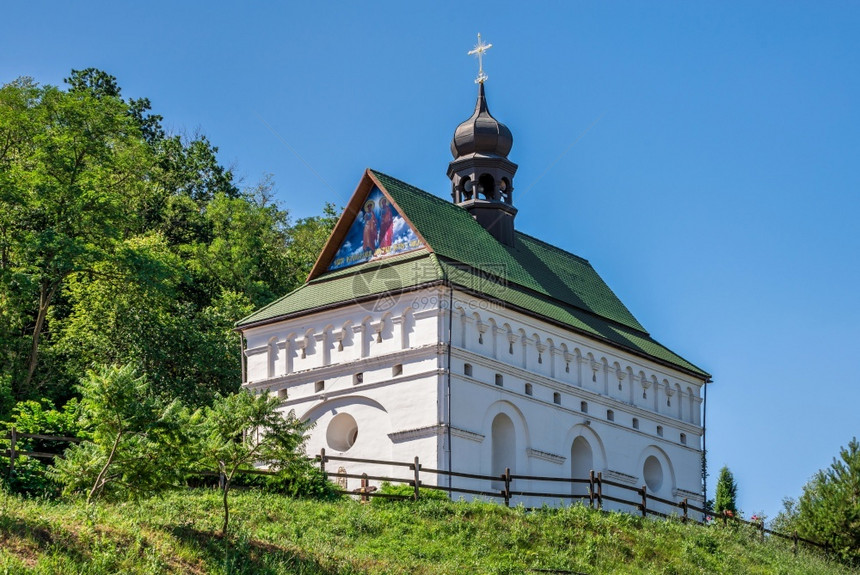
(481, 175)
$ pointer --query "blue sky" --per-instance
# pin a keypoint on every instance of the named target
(702, 155)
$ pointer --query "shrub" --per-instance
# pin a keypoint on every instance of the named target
(299, 481)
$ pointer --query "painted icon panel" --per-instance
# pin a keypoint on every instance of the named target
(378, 231)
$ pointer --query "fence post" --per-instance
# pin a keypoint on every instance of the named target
(600, 490)
(417, 482)
(507, 478)
(644, 505)
(13, 438)
(684, 508)
(364, 485)
(794, 539)
(322, 460)
(591, 489)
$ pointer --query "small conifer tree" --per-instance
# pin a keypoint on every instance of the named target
(727, 492)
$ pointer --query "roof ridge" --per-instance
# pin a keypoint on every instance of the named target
(434, 197)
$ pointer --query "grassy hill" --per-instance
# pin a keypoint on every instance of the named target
(273, 534)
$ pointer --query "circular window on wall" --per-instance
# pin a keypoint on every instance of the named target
(653, 473)
(342, 432)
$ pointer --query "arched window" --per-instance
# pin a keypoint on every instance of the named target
(529, 389)
(581, 464)
(610, 415)
(505, 188)
(504, 444)
(487, 186)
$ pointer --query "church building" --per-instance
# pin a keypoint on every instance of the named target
(435, 328)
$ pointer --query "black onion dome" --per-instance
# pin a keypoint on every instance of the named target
(482, 134)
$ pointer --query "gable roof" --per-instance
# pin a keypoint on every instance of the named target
(531, 276)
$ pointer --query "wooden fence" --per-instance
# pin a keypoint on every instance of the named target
(595, 483)
(595, 495)
(15, 436)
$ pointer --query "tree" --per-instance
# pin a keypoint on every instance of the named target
(828, 511)
(242, 430)
(123, 244)
(138, 445)
(727, 490)
(71, 161)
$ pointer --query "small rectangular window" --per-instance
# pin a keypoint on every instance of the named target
(467, 369)
(282, 394)
(529, 390)
(610, 415)
(635, 423)
(683, 439)
(358, 378)
(556, 398)
(660, 430)
(583, 406)
(319, 386)
(499, 380)
(397, 370)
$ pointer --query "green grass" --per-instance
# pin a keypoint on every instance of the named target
(177, 533)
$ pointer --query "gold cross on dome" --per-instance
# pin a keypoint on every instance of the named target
(479, 50)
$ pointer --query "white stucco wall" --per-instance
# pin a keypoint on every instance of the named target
(400, 406)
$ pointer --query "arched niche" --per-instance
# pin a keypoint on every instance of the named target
(581, 463)
(657, 472)
(518, 463)
(503, 438)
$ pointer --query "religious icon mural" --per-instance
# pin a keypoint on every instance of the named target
(378, 231)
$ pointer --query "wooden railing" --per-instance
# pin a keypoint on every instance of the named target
(13, 452)
(595, 493)
(595, 483)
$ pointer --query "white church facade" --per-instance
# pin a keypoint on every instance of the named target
(434, 328)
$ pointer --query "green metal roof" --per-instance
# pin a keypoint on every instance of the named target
(531, 276)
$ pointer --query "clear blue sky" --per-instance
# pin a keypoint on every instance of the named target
(702, 155)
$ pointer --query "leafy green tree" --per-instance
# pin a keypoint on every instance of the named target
(137, 311)
(307, 239)
(828, 511)
(242, 430)
(727, 491)
(70, 164)
(121, 243)
(138, 445)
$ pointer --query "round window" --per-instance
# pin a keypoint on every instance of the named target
(342, 432)
(653, 473)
